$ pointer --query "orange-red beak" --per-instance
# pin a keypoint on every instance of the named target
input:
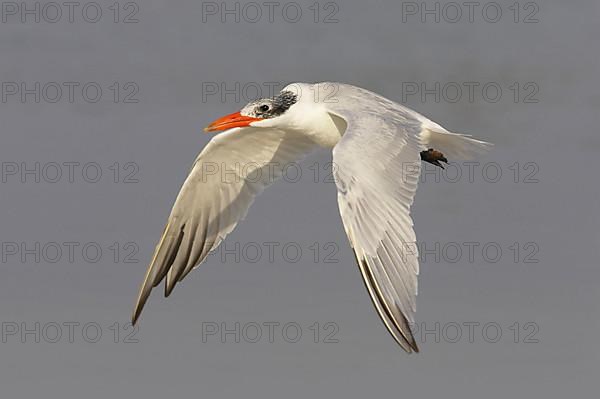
(230, 121)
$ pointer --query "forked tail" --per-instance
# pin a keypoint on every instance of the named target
(455, 146)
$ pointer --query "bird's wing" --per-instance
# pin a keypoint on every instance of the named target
(376, 170)
(229, 173)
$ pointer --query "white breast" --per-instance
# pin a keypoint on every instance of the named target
(322, 127)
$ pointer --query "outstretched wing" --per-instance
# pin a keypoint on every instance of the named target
(377, 165)
(229, 173)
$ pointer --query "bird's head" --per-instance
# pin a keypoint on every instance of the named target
(264, 112)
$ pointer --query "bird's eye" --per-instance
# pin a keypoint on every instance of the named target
(264, 108)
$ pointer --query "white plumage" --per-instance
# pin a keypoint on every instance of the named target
(376, 152)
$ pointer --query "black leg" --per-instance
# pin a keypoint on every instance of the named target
(433, 157)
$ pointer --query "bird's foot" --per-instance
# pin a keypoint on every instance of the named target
(433, 157)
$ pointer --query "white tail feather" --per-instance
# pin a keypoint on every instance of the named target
(454, 146)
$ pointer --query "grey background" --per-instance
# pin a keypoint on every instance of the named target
(169, 54)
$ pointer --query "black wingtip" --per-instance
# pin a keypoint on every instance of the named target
(135, 317)
(139, 306)
(169, 287)
(413, 345)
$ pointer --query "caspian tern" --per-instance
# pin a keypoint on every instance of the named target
(378, 146)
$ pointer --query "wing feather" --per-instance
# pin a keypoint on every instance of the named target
(375, 192)
(229, 173)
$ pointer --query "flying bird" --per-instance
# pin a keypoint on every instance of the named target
(378, 146)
